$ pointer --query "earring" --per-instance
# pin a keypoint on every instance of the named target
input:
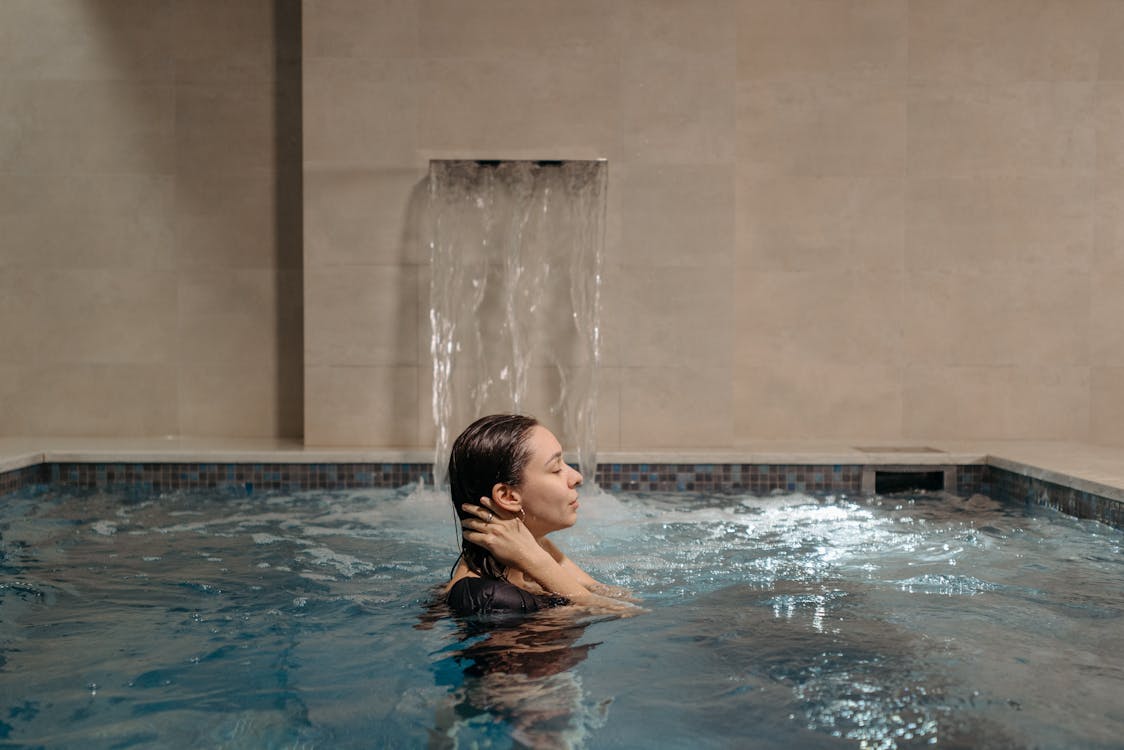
(522, 515)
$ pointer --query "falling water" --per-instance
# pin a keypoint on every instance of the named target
(515, 256)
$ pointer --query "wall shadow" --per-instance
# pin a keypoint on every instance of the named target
(288, 104)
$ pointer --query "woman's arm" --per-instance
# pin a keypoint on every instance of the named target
(513, 544)
(585, 579)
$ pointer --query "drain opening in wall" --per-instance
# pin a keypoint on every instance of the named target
(889, 482)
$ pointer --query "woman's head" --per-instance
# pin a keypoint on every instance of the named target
(492, 451)
(518, 463)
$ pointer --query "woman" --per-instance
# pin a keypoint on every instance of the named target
(510, 488)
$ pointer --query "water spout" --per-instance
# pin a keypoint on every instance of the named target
(515, 255)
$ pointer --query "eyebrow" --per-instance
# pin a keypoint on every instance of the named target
(552, 459)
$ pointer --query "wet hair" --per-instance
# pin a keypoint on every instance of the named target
(492, 450)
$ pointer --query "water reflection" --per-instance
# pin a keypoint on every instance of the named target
(514, 677)
(850, 672)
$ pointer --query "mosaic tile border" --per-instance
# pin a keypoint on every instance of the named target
(973, 479)
(1001, 484)
(160, 477)
(17, 479)
(1012, 487)
(751, 478)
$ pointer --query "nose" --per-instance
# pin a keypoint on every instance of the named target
(576, 477)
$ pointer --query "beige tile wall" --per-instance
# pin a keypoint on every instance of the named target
(852, 219)
(150, 263)
(847, 219)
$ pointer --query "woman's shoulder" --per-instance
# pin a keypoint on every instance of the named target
(471, 595)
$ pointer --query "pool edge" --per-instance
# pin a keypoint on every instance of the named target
(1005, 479)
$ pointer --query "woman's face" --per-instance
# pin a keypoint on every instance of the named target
(549, 486)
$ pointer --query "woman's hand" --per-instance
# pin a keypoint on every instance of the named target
(510, 542)
(502, 534)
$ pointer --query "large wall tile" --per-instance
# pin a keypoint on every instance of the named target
(1001, 41)
(360, 112)
(1109, 115)
(1050, 401)
(981, 403)
(1111, 67)
(676, 110)
(820, 223)
(777, 398)
(853, 126)
(1107, 330)
(360, 28)
(361, 315)
(819, 318)
(1037, 317)
(668, 317)
(549, 108)
(75, 127)
(229, 398)
(676, 405)
(1109, 222)
(513, 30)
(1031, 129)
(19, 316)
(1107, 405)
(86, 221)
(94, 400)
(815, 37)
(361, 406)
(996, 223)
(232, 222)
(365, 216)
(103, 40)
(676, 215)
(231, 319)
(674, 29)
(232, 42)
(962, 403)
(91, 316)
(225, 129)
(18, 415)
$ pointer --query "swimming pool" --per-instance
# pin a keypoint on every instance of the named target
(304, 620)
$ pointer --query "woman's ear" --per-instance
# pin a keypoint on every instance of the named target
(507, 498)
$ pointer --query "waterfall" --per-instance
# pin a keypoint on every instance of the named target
(515, 257)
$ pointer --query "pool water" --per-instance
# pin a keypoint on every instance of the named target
(308, 620)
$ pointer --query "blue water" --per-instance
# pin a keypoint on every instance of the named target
(307, 621)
